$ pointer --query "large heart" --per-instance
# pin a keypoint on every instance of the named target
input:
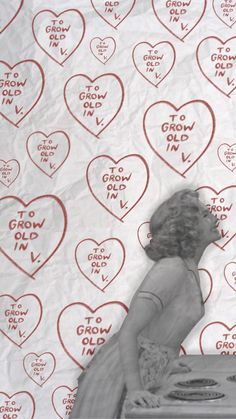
(113, 12)
(226, 11)
(63, 398)
(218, 338)
(103, 49)
(39, 368)
(94, 103)
(31, 233)
(20, 317)
(179, 17)
(222, 204)
(154, 62)
(9, 10)
(118, 185)
(227, 155)
(21, 405)
(9, 171)
(176, 134)
(230, 274)
(20, 89)
(216, 60)
(101, 262)
(59, 35)
(48, 152)
(83, 330)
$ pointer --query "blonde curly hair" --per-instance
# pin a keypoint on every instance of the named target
(174, 227)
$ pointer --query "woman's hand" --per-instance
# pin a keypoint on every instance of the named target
(141, 398)
(179, 367)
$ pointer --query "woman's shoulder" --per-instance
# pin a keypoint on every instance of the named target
(171, 269)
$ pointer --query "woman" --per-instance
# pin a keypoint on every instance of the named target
(131, 366)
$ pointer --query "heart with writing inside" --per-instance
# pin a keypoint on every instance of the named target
(83, 330)
(154, 62)
(143, 233)
(118, 185)
(9, 171)
(113, 12)
(21, 405)
(59, 35)
(227, 155)
(216, 60)
(225, 11)
(222, 205)
(103, 49)
(9, 11)
(26, 81)
(230, 274)
(175, 134)
(218, 338)
(94, 103)
(179, 17)
(101, 262)
(48, 152)
(31, 233)
(39, 368)
(20, 317)
(63, 398)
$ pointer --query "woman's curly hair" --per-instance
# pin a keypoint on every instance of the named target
(174, 227)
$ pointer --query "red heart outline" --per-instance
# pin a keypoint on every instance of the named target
(211, 283)
(57, 15)
(181, 39)
(199, 65)
(213, 5)
(6, 162)
(93, 81)
(22, 392)
(153, 46)
(209, 324)
(138, 233)
(40, 94)
(99, 244)
(116, 162)
(177, 110)
(62, 237)
(40, 317)
(11, 20)
(47, 136)
(38, 356)
(218, 193)
(218, 153)
(108, 37)
(91, 311)
(115, 27)
(230, 263)
(52, 397)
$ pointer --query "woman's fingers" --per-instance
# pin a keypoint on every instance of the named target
(143, 399)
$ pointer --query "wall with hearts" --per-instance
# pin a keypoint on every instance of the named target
(106, 108)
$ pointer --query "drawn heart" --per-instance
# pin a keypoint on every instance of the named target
(26, 79)
(94, 103)
(59, 35)
(227, 155)
(103, 49)
(22, 403)
(20, 317)
(9, 171)
(175, 134)
(63, 398)
(82, 330)
(31, 233)
(178, 17)
(154, 62)
(226, 12)
(48, 152)
(143, 233)
(9, 11)
(222, 74)
(221, 204)
(230, 275)
(206, 283)
(218, 338)
(118, 185)
(115, 12)
(39, 368)
(101, 262)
